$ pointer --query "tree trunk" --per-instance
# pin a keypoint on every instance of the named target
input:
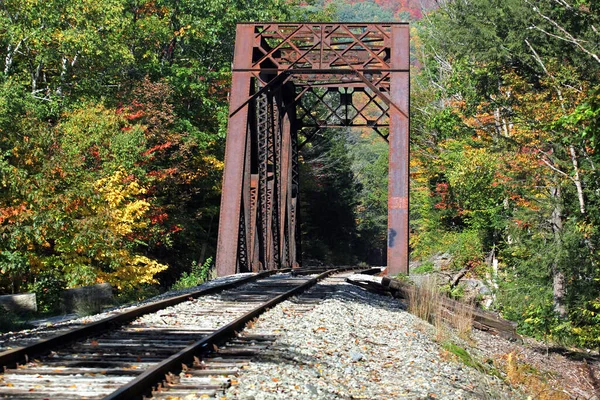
(559, 285)
(577, 179)
(492, 277)
(559, 288)
(63, 74)
(8, 60)
(35, 75)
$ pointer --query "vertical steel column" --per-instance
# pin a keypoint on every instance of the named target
(399, 164)
(264, 195)
(235, 154)
(285, 190)
(289, 177)
(295, 233)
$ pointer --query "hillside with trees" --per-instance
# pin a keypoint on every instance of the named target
(504, 157)
(112, 130)
(505, 154)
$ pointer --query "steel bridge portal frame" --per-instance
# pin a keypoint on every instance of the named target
(290, 81)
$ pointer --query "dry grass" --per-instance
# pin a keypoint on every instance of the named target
(524, 375)
(426, 302)
(441, 327)
(462, 320)
(250, 324)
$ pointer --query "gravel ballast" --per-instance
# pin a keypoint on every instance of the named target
(353, 345)
(356, 345)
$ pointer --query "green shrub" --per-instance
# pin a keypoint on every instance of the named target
(424, 268)
(48, 287)
(402, 278)
(198, 275)
(467, 248)
(456, 293)
(582, 329)
(467, 359)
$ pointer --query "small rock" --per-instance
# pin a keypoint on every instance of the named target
(312, 388)
(356, 356)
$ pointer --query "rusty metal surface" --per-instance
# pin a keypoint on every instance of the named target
(231, 197)
(398, 183)
(295, 79)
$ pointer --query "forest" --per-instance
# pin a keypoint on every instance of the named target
(112, 129)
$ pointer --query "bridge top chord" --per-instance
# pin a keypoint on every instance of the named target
(322, 48)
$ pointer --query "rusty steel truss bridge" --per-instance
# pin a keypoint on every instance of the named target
(289, 82)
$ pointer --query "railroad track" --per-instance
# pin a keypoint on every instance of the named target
(180, 346)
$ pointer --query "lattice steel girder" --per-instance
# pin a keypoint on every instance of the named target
(333, 75)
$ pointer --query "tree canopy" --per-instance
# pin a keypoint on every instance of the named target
(112, 120)
(506, 152)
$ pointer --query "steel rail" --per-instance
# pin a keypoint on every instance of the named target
(142, 385)
(11, 358)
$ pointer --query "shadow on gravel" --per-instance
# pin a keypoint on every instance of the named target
(290, 355)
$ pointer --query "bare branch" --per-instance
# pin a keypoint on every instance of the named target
(568, 37)
(537, 57)
(552, 167)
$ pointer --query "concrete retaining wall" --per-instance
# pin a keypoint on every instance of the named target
(18, 303)
(101, 293)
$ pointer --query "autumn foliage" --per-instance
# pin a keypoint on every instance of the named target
(505, 117)
(111, 120)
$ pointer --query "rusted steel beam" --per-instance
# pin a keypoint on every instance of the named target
(398, 179)
(231, 195)
(284, 190)
(253, 241)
